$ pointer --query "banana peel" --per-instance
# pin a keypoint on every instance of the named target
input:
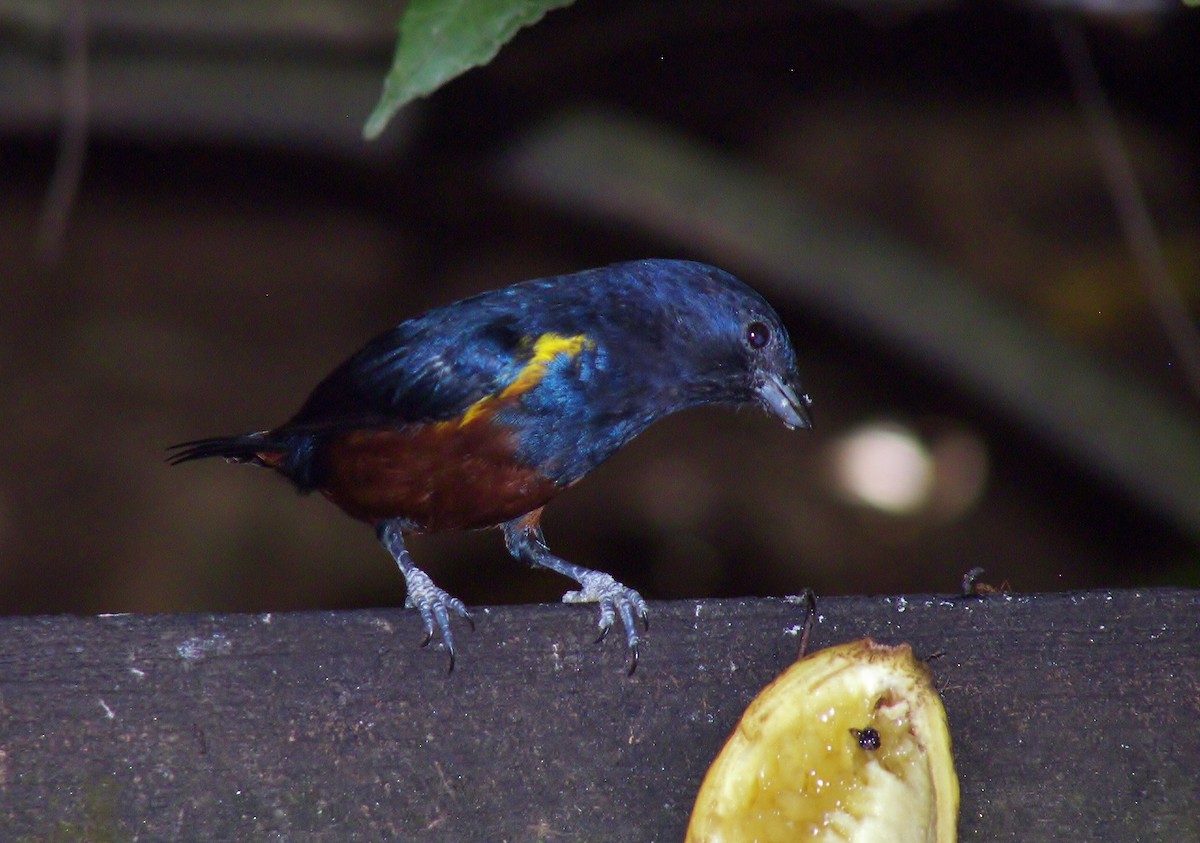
(850, 744)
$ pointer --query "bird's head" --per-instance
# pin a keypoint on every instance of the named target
(723, 342)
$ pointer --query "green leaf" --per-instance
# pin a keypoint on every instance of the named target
(439, 39)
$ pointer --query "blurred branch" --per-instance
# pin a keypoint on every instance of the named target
(301, 72)
(318, 23)
(610, 165)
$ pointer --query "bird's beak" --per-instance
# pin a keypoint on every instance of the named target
(781, 400)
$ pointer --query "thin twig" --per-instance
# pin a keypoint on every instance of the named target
(1130, 201)
(810, 618)
(72, 142)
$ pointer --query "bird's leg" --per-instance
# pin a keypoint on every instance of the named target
(523, 537)
(433, 603)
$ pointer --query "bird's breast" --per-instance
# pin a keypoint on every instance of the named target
(433, 476)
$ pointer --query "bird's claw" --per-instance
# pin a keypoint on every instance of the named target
(615, 600)
(435, 605)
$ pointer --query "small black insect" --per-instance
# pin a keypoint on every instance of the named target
(867, 738)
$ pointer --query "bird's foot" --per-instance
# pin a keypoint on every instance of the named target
(434, 604)
(614, 599)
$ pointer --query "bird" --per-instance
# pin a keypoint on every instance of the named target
(478, 413)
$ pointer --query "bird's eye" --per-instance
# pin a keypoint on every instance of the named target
(757, 335)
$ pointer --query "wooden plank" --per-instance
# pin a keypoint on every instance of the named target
(1074, 718)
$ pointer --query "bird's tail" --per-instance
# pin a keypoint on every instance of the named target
(256, 448)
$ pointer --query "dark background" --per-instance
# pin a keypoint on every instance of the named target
(233, 239)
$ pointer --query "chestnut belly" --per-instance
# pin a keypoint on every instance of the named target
(444, 476)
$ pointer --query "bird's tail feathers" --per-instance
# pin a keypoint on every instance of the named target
(257, 448)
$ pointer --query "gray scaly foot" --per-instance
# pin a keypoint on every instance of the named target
(614, 599)
(523, 537)
(424, 595)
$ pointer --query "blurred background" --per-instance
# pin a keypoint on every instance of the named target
(937, 197)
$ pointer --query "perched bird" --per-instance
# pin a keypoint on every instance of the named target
(478, 413)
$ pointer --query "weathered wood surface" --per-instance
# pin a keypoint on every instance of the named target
(1075, 717)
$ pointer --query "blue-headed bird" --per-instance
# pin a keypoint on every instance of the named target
(478, 413)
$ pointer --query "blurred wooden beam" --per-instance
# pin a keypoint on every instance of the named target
(302, 75)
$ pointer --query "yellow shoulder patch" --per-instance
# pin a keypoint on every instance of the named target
(546, 348)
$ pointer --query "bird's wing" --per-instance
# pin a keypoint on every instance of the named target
(422, 371)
